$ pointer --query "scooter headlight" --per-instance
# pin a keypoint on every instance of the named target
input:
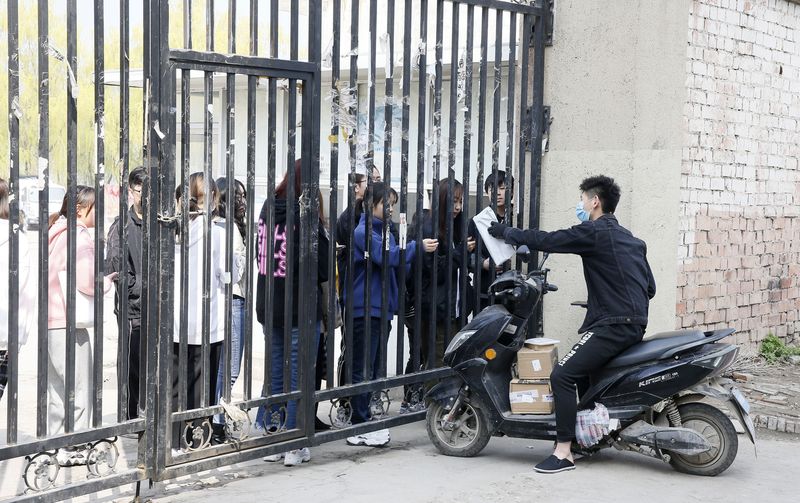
(458, 340)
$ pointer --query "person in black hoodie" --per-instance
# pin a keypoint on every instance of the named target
(441, 312)
(133, 258)
(285, 258)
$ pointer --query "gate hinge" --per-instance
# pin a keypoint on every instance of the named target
(548, 18)
(534, 134)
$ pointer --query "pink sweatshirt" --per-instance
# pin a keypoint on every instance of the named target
(56, 305)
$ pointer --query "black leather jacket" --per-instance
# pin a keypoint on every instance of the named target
(619, 281)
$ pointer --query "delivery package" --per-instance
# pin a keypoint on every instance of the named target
(530, 397)
(537, 358)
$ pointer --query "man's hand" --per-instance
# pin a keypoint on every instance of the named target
(487, 265)
(470, 245)
(496, 230)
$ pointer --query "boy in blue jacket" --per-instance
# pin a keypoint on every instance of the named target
(371, 259)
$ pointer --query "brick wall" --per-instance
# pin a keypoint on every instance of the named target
(739, 250)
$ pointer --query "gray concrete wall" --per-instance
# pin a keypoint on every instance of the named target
(615, 79)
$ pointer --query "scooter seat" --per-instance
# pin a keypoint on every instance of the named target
(655, 347)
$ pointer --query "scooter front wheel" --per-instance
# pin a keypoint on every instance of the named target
(465, 434)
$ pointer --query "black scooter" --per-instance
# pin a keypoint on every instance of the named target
(662, 394)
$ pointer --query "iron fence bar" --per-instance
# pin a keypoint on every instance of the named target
(534, 7)
(333, 205)
(186, 131)
(404, 147)
(291, 201)
(388, 108)
(230, 158)
(481, 159)
(512, 78)
(44, 194)
(466, 161)
(309, 246)
(277, 398)
(524, 127)
(240, 64)
(124, 156)
(536, 123)
(250, 241)
(269, 225)
(451, 162)
(99, 184)
(14, 114)
(351, 201)
(421, 158)
(83, 487)
(384, 383)
(437, 159)
(72, 183)
(159, 253)
(369, 162)
(68, 439)
(497, 95)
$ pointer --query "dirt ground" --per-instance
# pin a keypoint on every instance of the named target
(773, 390)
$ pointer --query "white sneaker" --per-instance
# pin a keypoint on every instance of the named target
(297, 457)
(373, 439)
(274, 458)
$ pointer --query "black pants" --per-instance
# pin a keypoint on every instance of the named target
(3, 371)
(366, 367)
(134, 363)
(594, 349)
(442, 338)
(193, 374)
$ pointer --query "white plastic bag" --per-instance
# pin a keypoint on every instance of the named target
(591, 425)
(498, 249)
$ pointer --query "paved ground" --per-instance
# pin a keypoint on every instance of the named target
(411, 470)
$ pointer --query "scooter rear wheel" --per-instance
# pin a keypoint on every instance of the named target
(720, 433)
(465, 436)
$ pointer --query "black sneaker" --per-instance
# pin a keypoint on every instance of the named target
(554, 465)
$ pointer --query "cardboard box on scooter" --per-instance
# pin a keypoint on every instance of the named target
(530, 397)
(537, 362)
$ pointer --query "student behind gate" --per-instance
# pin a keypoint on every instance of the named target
(368, 254)
(236, 191)
(445, 307)
(481, 262)
(281, 265)
(192, 300)
(620, 285)
(132, 255)
(57, 320)
(27, 287)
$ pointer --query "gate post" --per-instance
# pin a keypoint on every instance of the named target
(158, 256)
(309, 221)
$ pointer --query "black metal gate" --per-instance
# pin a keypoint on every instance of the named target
(467, 105)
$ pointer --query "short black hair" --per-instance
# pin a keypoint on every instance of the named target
(137, 176)
(605, 189)
(379, 190)
(489, 184)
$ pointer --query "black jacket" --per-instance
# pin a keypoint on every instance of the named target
(133, 256)
(280, 267)
(619, 281)
(445, 301)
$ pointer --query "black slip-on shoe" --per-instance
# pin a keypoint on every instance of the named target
(554, 465)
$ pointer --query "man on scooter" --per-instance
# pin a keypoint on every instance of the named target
(620, 285)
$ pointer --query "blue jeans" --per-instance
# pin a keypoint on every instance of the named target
(360, 403)
(276, 376)
(237, 347)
